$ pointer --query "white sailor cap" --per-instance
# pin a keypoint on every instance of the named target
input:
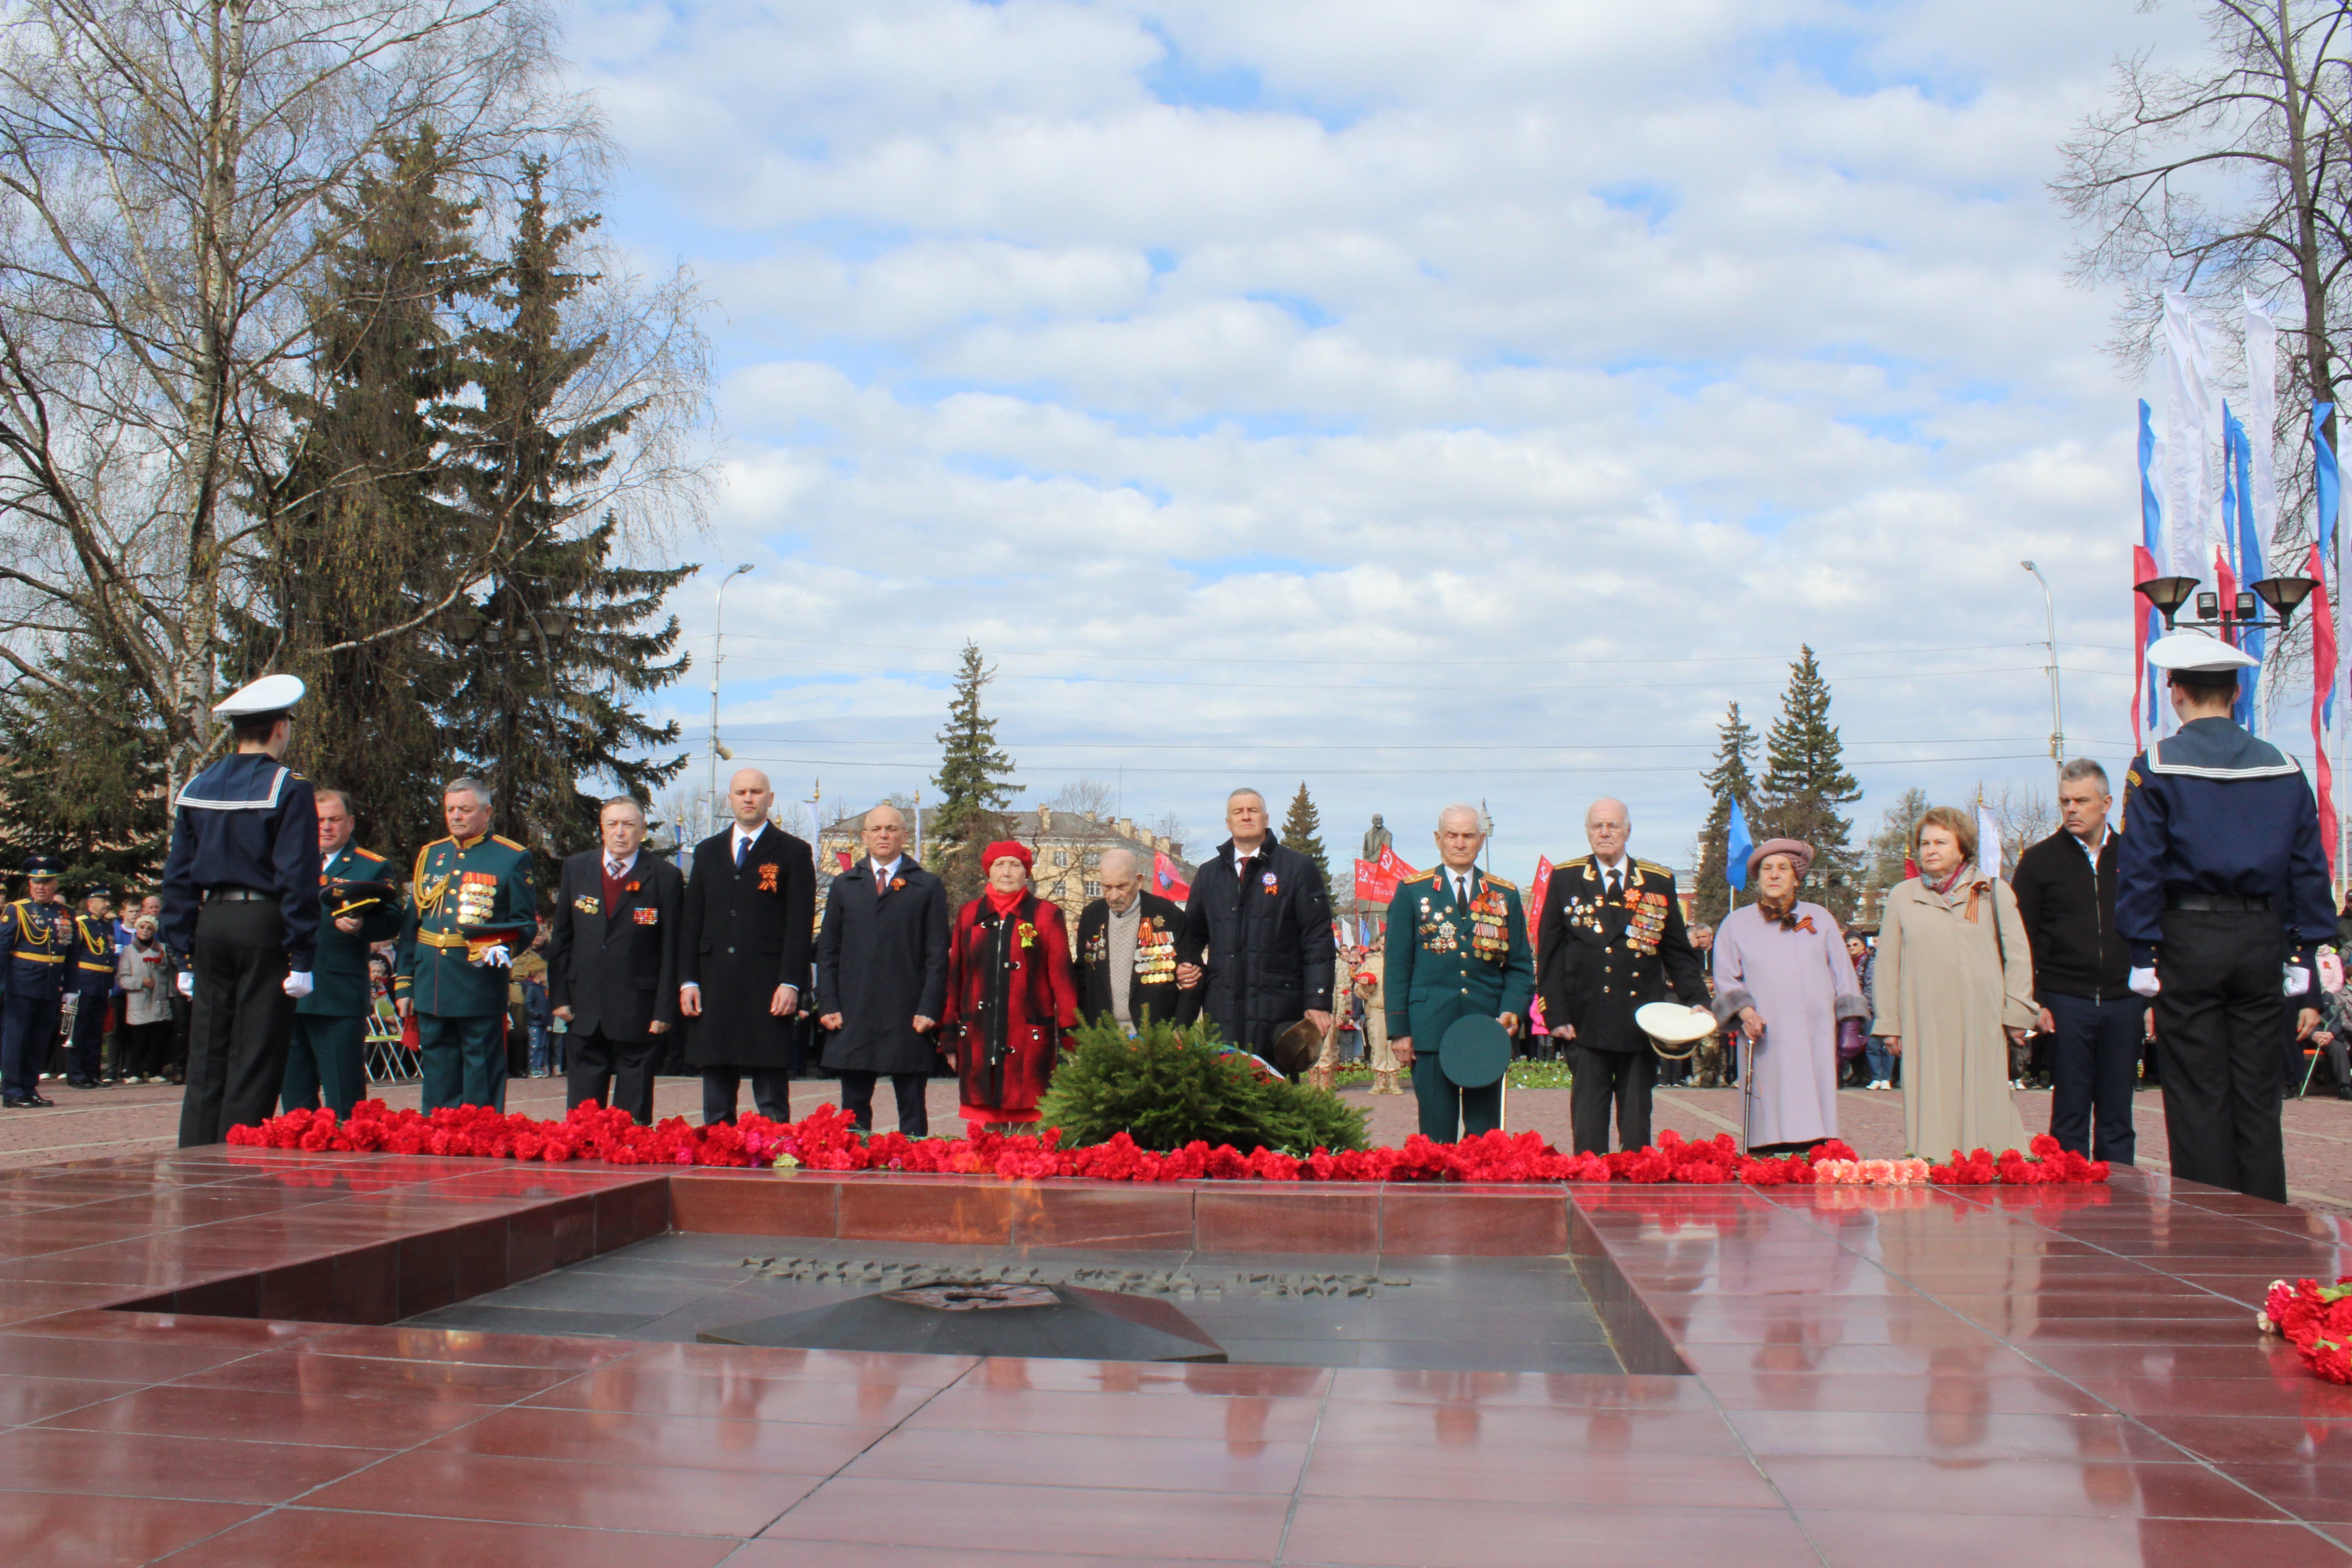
(2197, 651)
(271, 694)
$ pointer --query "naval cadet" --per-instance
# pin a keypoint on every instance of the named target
(471, 908)
(2221, 895)
(1611, 939)
(91, 985)
(1457, 942)
(359, 898)
(241, 901)
(36, 940)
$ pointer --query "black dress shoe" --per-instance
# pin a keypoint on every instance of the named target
(2344, 1091)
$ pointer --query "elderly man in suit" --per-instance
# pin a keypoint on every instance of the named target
(1611, 940)
(1127, 949)
(882, 975)
(612, 962)
(751, 917)
(1460, 949)
(359, 900)
(1257, 934)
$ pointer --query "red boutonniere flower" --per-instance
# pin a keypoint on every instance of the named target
(897, 883)
(633, 886)
(768, 870)
(1027, 933)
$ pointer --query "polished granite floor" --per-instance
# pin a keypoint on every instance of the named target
(1918, 1379)
(1517, 1314)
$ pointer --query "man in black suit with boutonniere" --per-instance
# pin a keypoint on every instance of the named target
(882, 975)
(751, 919)
(612, 962)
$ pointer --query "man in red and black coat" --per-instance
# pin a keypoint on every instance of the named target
(612, 962)
(751, 919)
(1009, 993)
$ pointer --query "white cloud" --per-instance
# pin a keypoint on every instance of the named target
(1322, 380)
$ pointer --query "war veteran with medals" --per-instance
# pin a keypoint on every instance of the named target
(470, 907)
(1127, 949)
(359, 905)
(241, 900)
(1612, 939)
(1457, 948)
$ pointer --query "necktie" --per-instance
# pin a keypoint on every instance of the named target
(881, 880)
(1461, 889)
(743, 850)
(612, 868)
(1616, 884)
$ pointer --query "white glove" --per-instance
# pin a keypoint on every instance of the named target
(298, 984)
(188, 984)
(2298, 980)
(2143, 980)
(497, 956)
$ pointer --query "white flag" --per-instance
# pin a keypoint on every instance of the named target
(2187, 451)
(2262, 418)
(1988, 845)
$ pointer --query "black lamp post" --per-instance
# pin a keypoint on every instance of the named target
(2283, 594)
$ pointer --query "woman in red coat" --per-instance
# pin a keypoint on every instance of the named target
(1010, 994)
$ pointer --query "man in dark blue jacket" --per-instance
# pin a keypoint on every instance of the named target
(1257, 934)
(2221, 893)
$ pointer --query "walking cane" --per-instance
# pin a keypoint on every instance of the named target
(1747, 1086)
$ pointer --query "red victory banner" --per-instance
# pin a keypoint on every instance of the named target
(1376, 881)
(1164, 877)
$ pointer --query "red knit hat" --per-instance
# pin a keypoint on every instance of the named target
(1005, 846)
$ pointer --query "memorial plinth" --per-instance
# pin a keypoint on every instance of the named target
(198, 1360)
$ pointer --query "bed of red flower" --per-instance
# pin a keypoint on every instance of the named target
(825, 1141)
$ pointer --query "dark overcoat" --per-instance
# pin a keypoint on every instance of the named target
(1163, 918)
(616, 966)
(748, 931)
(1009, 1001)
(882, 961)
(1269, 945)
(1599, 958)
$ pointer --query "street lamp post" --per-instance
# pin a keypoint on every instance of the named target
(718, 658)
(2057, 713)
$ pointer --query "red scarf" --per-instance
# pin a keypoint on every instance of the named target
(1005, 903)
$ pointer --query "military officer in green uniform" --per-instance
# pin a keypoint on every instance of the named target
(470, 907)
(1457, 946)
(359, 903)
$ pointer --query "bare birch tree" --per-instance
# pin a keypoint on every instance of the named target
(165, 174)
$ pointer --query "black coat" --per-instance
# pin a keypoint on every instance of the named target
(616, 967)
(1590, 976)
(1161, 996)
(747, 933)
(1270, 953)
(882, 962)
(2069, 915)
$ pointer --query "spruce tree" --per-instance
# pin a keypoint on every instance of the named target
(973, 771)
(82, 782)
(1805, 782)
(551, 655)
(1730, 778)
(1303, 830)
(1889, 849)
(360, 544)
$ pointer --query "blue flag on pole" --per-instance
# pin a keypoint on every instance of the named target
(1737, 845)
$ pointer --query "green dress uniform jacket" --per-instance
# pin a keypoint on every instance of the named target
(359, 882)
(464, 898)
(1448, 961)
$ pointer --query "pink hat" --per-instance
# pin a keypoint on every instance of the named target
(1796, 849)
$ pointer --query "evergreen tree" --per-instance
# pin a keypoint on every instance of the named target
(973, 771)
(1730, 778)
(1303, 831)
(1805, 782)
(361, 546)
(1889, 849)
(550, 656)
(82, 782)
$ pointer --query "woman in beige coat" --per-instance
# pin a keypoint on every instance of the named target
(1954, 984)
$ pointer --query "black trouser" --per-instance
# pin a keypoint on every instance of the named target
(146, 1049)
(771, 1093)
(85, 1046)
(2219, 1016)
(858, 1098)
(618, 1073)
(26, 1027)
(243, 1024)
(1605, 1077)
(2094, 1061)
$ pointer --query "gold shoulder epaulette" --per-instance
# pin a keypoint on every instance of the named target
(367, 854)
(1424, 876)
(509, 842)
(418, 875)
(1653, 866)
(1495, 881)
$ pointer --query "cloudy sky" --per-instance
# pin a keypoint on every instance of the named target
(1422, 400)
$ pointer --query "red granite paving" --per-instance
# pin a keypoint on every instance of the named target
(1930, 1378)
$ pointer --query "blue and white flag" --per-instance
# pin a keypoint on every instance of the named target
(1737, 845)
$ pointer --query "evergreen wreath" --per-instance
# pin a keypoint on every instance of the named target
(1168, 1087)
